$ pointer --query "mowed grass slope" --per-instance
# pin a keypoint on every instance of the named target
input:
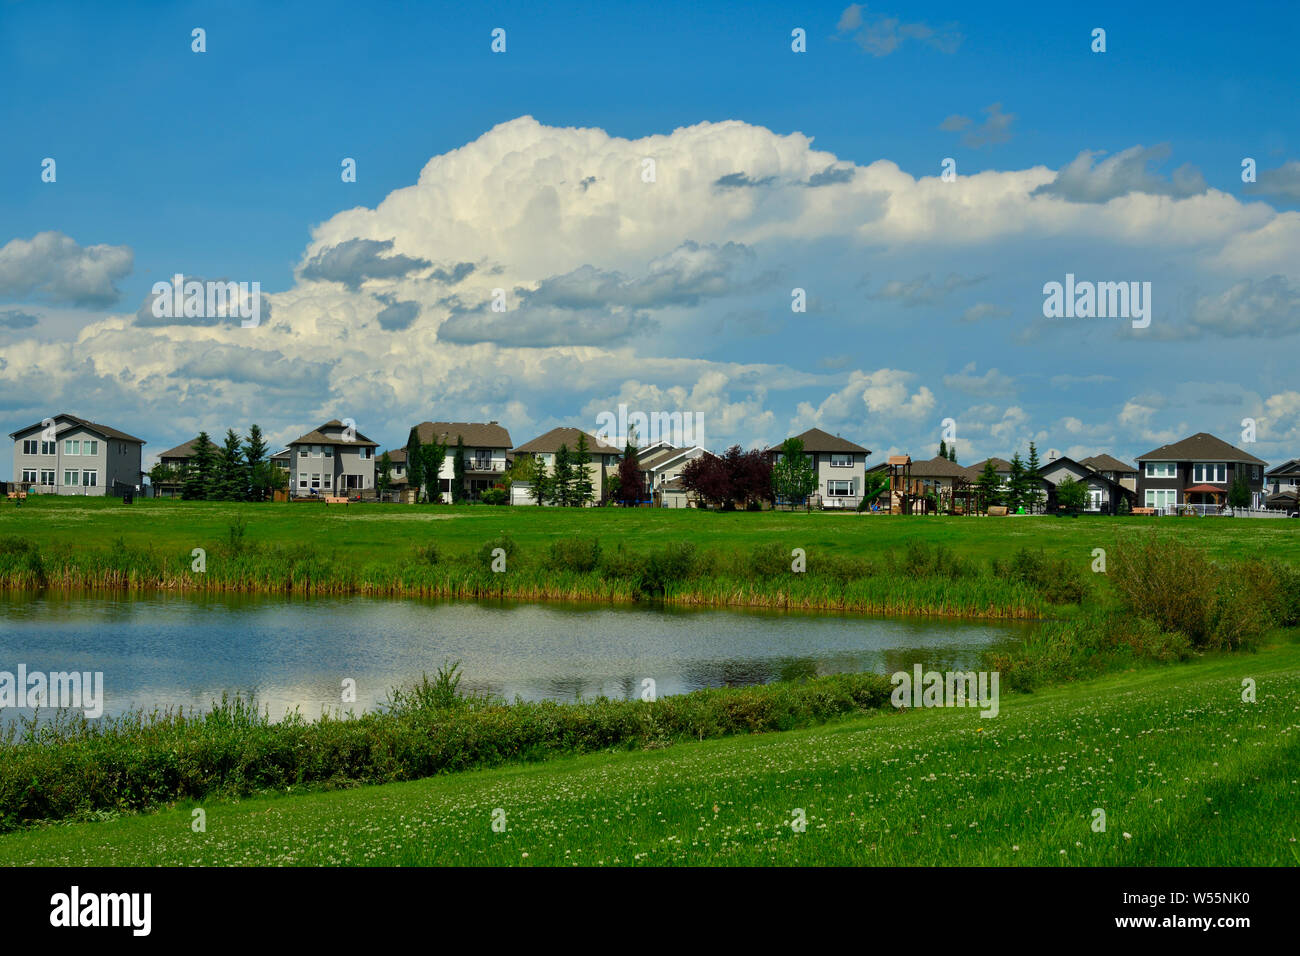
(1187, 773)
(388, 533)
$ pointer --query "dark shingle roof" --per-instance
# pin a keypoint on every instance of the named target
(999, 464)
(1200, 447)
(475, 434)
(103, 430)
(317, 436)
(1106, 463)
(1291, 467)
(816, 440)
(552, 440)
(938, 467)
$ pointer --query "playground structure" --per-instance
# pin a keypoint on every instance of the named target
(909, 495)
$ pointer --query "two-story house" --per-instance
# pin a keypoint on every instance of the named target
(1104, 494)
(661, 463)
(178, 460)
(604, 461)
(1196, 472)
(485, 446)
(840, 466)
(67, 455)
(1113, 469)
(332, 460)
(1282, 486)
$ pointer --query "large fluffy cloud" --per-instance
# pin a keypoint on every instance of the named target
(53, 267)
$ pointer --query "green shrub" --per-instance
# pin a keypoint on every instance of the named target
(769, 561)
(505, 543)
(580, 554)
(494, 496)
(1054, 578)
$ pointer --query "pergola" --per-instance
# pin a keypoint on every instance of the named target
(1204, 490)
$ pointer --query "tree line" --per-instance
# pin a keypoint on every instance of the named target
(236, 470)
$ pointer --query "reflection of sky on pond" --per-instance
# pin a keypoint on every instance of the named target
(173, 651)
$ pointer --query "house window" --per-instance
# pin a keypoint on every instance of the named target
(303, 451)
(328, 479)
(315, 451)
(315, 481)
(29, 476)
(92, 448)
(71, 478)
(302, 481)
(1161, 497)
(839, 487)
(71, 446)
(49, 447)
(367, 453)
(1161, 469)
(1214, 472)
(90, 478)
(30, 445)
(841, 461)
(329, 451)
(47, 477)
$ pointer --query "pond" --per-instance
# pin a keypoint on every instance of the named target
(170, 650)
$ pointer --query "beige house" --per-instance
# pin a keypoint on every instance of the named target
(604, 461)
(486, 448)
(840, 466)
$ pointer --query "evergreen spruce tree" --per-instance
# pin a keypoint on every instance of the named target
(562, 478)
(1018, 485)
(231, 482)
(1033, 489)
(414, 463)
(989, 486)
(943, 449)
(952, 453)
(201, 471)
(384, 480)
(257, 465)
(583, 488)
(540, 481)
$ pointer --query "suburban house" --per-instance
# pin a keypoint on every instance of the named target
(604, 461)
(1000, 465)
(1282, 486)
(486, 448)
(660, 464)
(1117, 471)
(839, 464)
(1196, 473)
(178, 459)
(398, 476)
(331, 461)
(73, 456)
(673, 494)
(1104, 494)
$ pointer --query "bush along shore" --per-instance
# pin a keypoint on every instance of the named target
(920, 579)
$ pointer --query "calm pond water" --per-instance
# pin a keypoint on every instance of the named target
(184, 651)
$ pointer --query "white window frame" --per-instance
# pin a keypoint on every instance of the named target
(1200, 469)
(72, 446)
(90, 447)
(327, 451)
(50, 447)
(327, 478)
(302, 479)
(47, 476)
(1169, 469)
(90, 478)
(833, 483)
(30, 445)
(1161, 498)
(29, 476)
(836, 462)
(304, 451)
(71, 478)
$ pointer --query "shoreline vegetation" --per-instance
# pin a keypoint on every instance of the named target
(1161, 600)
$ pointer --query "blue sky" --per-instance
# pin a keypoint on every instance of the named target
(923, 304)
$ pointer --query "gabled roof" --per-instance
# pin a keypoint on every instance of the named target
(552, 440)
(1200, 447)
(282, 454)
(1106, 463)
(475, 434)
(103, 431)
(816, 440)
(317, 436)
(937, 467)
(1089, 474)
(999, 464)
(183, 450)
(396, 455)
(1291, 467)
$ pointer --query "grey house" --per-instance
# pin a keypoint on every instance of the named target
(839, 464)
(73, 456)
(331, 461)
(1196, 473)
(1104, 493)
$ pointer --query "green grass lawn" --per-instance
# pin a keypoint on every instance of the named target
(380, 533)
(1187, 773)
